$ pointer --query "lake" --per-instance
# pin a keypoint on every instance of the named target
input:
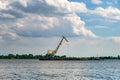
(59, 70)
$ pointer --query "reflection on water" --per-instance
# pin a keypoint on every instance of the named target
(59, 70)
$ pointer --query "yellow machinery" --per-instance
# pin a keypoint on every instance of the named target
(53, 52)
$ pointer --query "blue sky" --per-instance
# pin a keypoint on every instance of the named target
(91, 26)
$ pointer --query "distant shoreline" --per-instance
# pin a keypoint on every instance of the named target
(56, 57)
(19, 59)
(64, 59)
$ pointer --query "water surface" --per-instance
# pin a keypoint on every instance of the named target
(59, 70)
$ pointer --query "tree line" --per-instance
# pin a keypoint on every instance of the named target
(31, 56)
(20, 56)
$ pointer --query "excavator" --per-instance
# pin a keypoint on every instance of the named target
(53, 52)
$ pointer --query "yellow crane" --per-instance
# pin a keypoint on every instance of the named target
(53, 52)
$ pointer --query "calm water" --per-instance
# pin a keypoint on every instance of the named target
(59, 70)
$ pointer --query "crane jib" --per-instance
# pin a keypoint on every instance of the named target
(53, 52)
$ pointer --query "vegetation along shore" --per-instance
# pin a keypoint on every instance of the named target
(31, 56)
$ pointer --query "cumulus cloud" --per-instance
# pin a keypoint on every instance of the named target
(10, 14)
(96, 1)
(45, 18)
(109, 12)
(24, 3)
(6, 16)
(79, 27)
(4, 5)
(7, 11)
(52, 26)
(64, 5)
(49, 7)
(6, 33)
(8, 36)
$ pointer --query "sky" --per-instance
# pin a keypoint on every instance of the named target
(35, 26)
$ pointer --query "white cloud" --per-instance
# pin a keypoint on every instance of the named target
(47, 18)
(115, 39)
(110, 12)
(3, 5)
(48, 22)
(6, 33)
(8, 36)
(40, 22)
(41, 26)
(96, 1)
(23, 2)
(19, 25)
(79, 26)
(49, 7)
(6, 15)
(65, 5)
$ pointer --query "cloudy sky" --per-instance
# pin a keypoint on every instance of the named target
(34, 26)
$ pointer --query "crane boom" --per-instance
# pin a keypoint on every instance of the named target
(63, 37)
(55, 51)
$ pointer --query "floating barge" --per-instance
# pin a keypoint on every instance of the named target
(61, 58)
